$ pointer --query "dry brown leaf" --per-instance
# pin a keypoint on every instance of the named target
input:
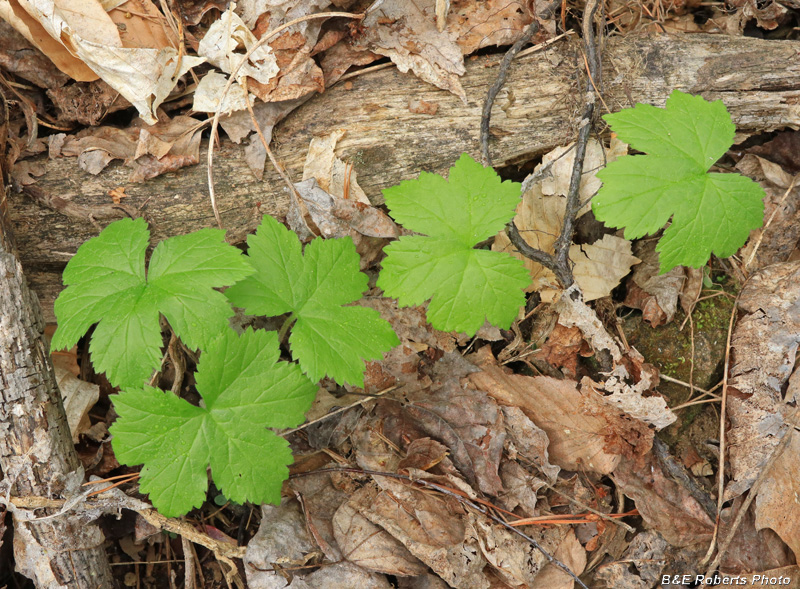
(529, 441)
(664, 504)
(571, 553)
(225, 43)
(521, 487)
(333, 175)
(342, 574)
(341, 57)
(654, 293)
(475, 24)
(764, 349)
(466, 420)
(599, 266)
(79, 397)
(367, 545)
(514, 559)
(577, 439)
(405, 31)
(435, 530)
(150, 150)
(774, 508)
(143, 68)
(19, 57)
(281, 538)
(321, 498)
(755, 547)
(38, 36)
(648, 553)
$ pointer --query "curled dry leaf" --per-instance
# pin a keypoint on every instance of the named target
(664, 504)
(405, 32)
(465, 420)
(584, 432)
(85, 42)
(599, 266)
(208, 93)
(476, 24)
(571, 553)
(514, 559)
(281, 538)
(79, 397)
(366, 544)
(435, 529)
(221, 47)
(164, 147)
(655, 294)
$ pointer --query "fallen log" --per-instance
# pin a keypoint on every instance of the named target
(758, 80)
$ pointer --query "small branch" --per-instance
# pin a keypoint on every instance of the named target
(585, 127)
(495, 88)
(557, 262)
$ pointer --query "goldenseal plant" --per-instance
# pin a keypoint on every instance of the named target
(107, 284)
(710, 212)
(465, 286)
(245, 387)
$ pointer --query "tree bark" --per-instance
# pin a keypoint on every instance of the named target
(36, 452)
(758, 80)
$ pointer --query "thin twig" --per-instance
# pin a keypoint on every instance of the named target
(495, 88)
(339, 410)
(600, 514)
(558, 262)
(722, 414)
(561, 246)
(683, 383)
(215, 123)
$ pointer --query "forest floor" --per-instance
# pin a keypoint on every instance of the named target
(625, 442)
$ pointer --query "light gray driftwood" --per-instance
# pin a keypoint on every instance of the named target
(758, 80)
(37, 457)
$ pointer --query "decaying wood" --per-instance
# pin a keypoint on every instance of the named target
(36, 452)
(537, 110)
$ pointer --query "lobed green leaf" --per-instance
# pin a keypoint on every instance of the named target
(466, 287)
(711, 213)
(245, 389)
(107, 285)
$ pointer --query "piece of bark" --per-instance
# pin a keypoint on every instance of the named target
(37, 457)
(537, 110)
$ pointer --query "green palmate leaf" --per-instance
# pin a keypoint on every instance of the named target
(245, 389)
(711, 213)
(107, 285)
(327, 338)
(465, 286)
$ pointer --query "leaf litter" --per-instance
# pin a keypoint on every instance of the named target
(511, 437)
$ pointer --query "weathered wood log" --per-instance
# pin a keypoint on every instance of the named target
(37, 457)
(758, 80)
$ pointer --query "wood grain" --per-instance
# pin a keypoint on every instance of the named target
(758, 80)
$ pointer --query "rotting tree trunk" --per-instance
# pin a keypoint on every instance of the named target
(537, 110)
(37, 457)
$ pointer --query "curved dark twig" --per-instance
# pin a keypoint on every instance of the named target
(502, 73)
